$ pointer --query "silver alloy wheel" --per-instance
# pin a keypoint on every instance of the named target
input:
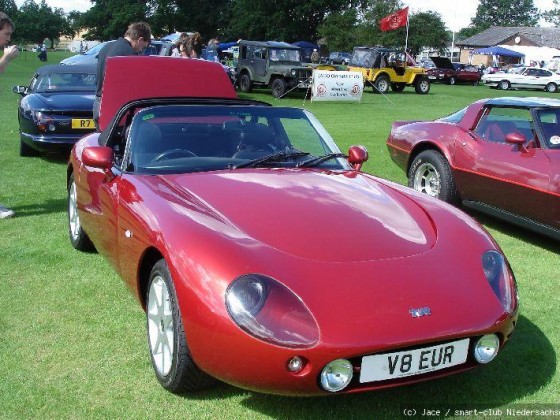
(160, 326)
(73, 216)
(427, 180)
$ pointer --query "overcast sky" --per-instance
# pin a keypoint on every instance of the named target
(456, 14)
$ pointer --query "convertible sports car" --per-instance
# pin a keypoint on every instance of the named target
(264, 257)
(56, 108)
(524, 78)
(500, 156)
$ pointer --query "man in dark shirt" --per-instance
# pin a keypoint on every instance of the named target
(136, 38)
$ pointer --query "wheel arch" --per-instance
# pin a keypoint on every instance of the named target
(149, 259)
(422, 147)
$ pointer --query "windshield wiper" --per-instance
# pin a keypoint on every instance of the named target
(274, 157)
(320, 159)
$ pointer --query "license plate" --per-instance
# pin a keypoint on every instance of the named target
(381, 367)
(86, 124)
(431, 77)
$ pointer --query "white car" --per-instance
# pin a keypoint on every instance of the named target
(524, 78)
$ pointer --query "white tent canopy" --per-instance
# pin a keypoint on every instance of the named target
(534, 54)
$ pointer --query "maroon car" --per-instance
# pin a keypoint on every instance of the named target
(500, 156)
(263, 256)
(452, 73)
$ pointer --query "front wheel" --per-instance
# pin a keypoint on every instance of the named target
(169, 351)
(422, 86)
(551, 87)
(245, 83)
(504, 85)
(452, 80)
(430, 174)
(78, 238)
(279, 87)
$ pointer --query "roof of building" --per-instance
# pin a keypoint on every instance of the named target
(495, 35)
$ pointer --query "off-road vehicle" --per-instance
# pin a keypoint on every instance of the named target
(386, 68)
(276, 65)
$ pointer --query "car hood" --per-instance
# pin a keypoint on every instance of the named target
(443, 63)
(334, 217)
(76, 101)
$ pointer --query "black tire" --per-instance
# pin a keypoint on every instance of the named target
(78, 238)
(26, 151)
(279, 87)
(381, 84)
(177, 372)
(551, 87)
(398, 87)
(422, 85)
(245, 83)
(430, 174)
(452, 80)
(504, 85)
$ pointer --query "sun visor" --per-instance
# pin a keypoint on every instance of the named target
(142, 77)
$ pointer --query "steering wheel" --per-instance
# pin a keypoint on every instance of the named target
(168, 154)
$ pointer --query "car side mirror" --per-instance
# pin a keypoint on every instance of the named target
(517, 139)
(20, 90)
(100, 157)
(357, 155)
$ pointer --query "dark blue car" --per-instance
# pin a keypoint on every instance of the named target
(56, 108)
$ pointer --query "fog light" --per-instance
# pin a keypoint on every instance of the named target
(486, 348)
(295, 364)
(52, 127)
(336, 375)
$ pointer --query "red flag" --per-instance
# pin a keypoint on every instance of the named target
(394, 21)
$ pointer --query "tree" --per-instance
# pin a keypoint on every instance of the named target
(505, 13)
(339, 30)
(553, 16)
(283, 20)
(37, 22)
(108, 19)
(9, 7)
(426, 29)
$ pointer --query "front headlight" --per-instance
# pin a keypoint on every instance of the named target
(500, 278)
(270, 311)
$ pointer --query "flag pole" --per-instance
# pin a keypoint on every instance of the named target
(406, 40)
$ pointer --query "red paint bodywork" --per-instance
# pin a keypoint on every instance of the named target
(523, 181)
(358, 251)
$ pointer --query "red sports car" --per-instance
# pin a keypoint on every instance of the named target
(263, 256)
(453, 73)
(500, 156)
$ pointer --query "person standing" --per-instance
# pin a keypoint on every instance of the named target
(315, 56)
(10, 52)
(136, 38)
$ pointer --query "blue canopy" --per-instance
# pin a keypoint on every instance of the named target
(498, 51)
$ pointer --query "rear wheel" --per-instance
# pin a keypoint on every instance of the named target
(245, 83)
(430, 174)
(551, 87)
(504, 85)
(279, 88)
(169, 351)
(452, 80)
(422, 85)
(381, 84)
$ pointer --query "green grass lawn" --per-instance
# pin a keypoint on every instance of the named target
(72, 338)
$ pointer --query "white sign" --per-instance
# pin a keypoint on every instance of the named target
(337, 86)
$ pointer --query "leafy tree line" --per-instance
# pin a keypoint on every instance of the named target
(343, 23)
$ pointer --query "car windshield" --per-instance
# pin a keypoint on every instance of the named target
(549, 121)
(363, 58)
(285, 54)
(72, 81)
(192, 138)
